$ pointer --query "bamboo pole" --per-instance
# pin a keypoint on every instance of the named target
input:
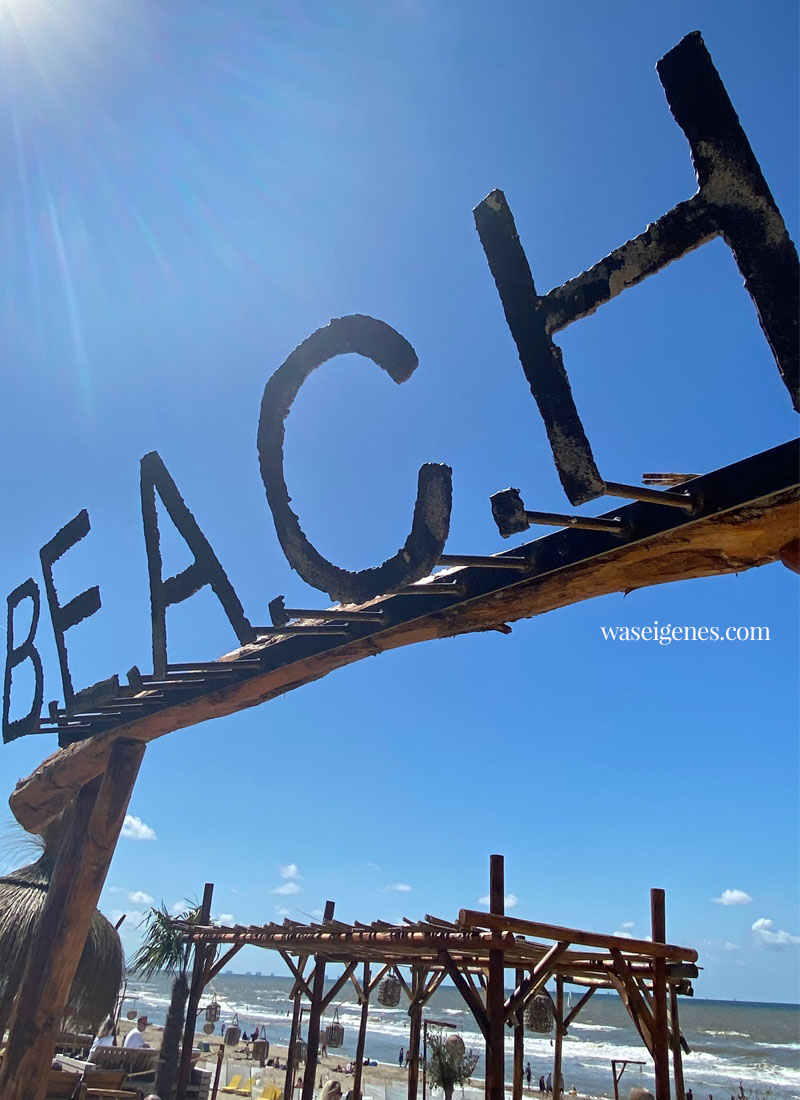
(362, 1034)
(58, 941)
(495, 992)
(660, 1024)
(314, 1014)
(201, 953)
(218, 1071)
(519, 1046)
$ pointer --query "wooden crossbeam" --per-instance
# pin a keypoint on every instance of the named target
(574, 1012)
(338, 984)
(534, 982)
(473, 1001)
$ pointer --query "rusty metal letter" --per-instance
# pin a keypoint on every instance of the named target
(15, 655)
(389, 350)
(205, 569)
(78, 608)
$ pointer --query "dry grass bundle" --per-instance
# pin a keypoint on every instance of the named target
(99, 975)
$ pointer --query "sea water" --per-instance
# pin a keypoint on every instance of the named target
(732, 1042)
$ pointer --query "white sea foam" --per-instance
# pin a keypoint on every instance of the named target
(736, 1034)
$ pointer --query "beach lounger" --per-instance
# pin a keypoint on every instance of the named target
(235, 1086)
(270, 1092)
(61, 1085)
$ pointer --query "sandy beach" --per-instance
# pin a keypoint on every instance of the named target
(239, 1059)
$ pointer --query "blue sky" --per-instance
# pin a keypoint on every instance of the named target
(191, 189)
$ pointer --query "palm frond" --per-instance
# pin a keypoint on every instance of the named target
(164, 947)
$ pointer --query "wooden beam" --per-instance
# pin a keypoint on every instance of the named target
(222, 962)
(535, 980)
(558, 1084)
(571, 1016)
(519, 1046)
(624, 983)
(472, 918)
(362, 1036)
(58, 941)
(291, 1053)
(201, 954)
(658, 926)
(314, 1016)
(418, 976)
(751, 518)
(495, 990)
(468, 994)
(336, 987)
(676, 1044)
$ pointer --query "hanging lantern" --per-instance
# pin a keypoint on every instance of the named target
(299, 1051)
(212, 1012)
(334, 1032)
(131, 1014)
(208, 1028)
(260, 1051)
(539, 1014)
(389, 991)
(455, 1044)
(233, 1033)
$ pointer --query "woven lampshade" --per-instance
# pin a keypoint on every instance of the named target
(233, 1034)
(334, 1032)
(208, 1028)
(539, 1014)
(212, 1012)
(389, 991)
(455, 1044)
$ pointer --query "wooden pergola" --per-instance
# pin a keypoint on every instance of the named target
(475, 952)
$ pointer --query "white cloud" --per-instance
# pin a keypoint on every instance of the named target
(290, 871)
(132, 917)
(624, 933)
(728, 946)
(627, 924)
(732, 897)
(511, 901)
(178, 907)
(139, 897)
(317, 913)
(282, 911)
(135, 829)
(223, 918)
(397, 887)
(288, 888)
(776, 941)
(373, 867)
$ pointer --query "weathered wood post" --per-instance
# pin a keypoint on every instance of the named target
(317, 990)
(558, 1084)
(201, 953)
(291, 1053)
(495, 992)
(658, 925)
(519, 1044)
(362, 1033)
(72, 896)
(677, 1053)
(415, 1030)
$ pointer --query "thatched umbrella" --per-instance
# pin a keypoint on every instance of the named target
(94, 991)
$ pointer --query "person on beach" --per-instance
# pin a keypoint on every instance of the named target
(105, 1037)
(549, 1083)
(332, 1091)
(408, 1056)
(528, 1074)
(541, 1083)
(134, 1040)
(400, 1058)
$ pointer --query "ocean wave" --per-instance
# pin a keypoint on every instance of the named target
(594, 1027)
(737, 1034)
(780, 1046)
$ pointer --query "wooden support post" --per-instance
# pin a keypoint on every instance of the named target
(202, 951)
(558, 1084)
(495, 991)
(218, 1071)
(415, 1031)
(362, 1034)
(519, 1047)
(677, 1053)
(314, 1013)
(660, 1023)
(291, 1056)
(58, 941)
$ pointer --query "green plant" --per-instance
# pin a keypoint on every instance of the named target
(448, 1064)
